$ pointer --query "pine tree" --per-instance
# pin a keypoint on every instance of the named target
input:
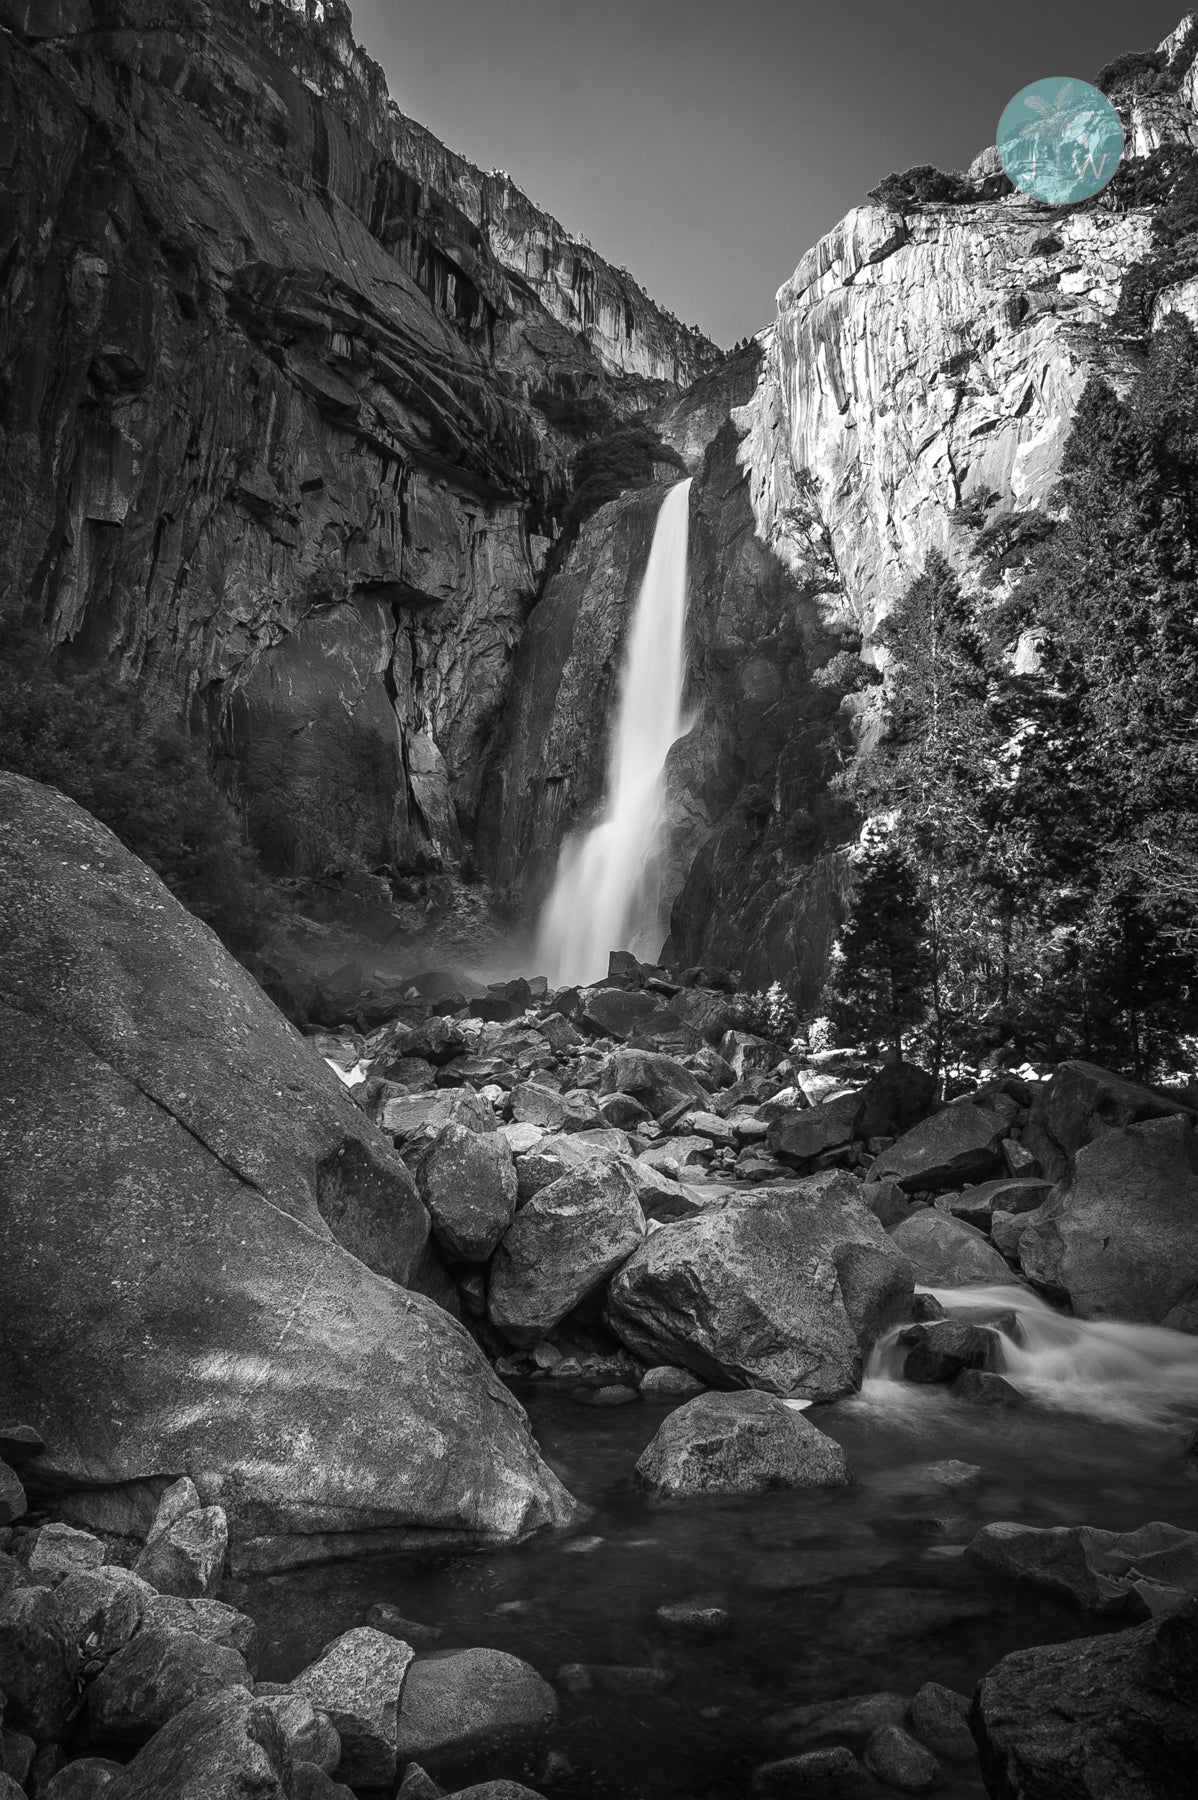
(882, 970)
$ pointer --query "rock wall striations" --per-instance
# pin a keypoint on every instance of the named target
(269, 365)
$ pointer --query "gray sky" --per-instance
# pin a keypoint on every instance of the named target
(707, 143)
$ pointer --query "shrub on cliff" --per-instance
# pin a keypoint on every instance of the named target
(607, 468)
(95, 741)
(920, 186)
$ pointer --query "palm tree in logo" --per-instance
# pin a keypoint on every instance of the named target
(1060, 121)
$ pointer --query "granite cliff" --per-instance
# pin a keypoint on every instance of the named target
(276, 372)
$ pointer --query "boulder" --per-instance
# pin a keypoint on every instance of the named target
(1095, 1718)
(1152, 1570)
(413, 1120)
(156, 1675)
(705, 1010)
(1082, 1101)
(357, 1680)
(815, 1775)
(39, 1664)
(743, 1443)
(1119, 1237)
(747, 1054)
(138, 1003)
(668, 1383)
(13, 1504)
(102, 1609)
(310, 1736)
(84, 1779)
(467, 1180)
(227, 1745)
(980, 1387)
(802, 1136)
(896, 1758)
(960, 1144)
(575, 1110)
(184, 1553)
(941, 1350)
(658, 1082)
(857, 1716)
(562, 1246)
(940, 1717)
(945, 1252)
(977, 1205)
(60, 1550)
(170, 1143)
(458, 1704)
(210, 1619)
(784, 1290)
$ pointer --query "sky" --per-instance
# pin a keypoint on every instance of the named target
(706, 144)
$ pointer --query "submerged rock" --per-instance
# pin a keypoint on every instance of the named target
(896, 1758)
(1096, 1717)
(1152, 1570)
(940, 1717)
(744, 1443)
(783, 1290)
(815, 1775)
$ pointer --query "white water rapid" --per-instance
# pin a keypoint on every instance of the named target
(1120, 1373)
(607, 891)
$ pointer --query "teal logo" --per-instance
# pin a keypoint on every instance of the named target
(1060, 140)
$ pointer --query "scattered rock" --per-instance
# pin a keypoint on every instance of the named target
(692, 1618)
(459, 1703)
(385, 1617)
(783, 1290)
(944, 1252)
(1094, 1718)
(743, 1443)
(533, 1104)
(561, 1247)
(227, 1745)
(816, 1775)
(467, 1180)
(980, 1388)
(357, 1680)
(155, 1676)
(941, 1719)
(101, 1609)
(668, 1383)
(185, 1551)
(414, 1120)
(614, 1678)
(857, 1716)
(897, 1759)
(747, 1054)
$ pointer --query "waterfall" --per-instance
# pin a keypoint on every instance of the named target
(607, 891)
(1109, 1369)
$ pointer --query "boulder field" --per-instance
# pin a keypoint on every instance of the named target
(190, 1201)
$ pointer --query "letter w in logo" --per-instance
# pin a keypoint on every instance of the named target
(1080, 168)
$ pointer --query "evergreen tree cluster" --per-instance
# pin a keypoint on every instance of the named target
(1029, 878)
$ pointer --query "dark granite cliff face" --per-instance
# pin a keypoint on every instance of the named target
(269, 440)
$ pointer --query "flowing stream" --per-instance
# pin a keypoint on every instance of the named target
(607, 892)
(833, 1592)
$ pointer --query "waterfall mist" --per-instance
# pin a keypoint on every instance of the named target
(607, 891)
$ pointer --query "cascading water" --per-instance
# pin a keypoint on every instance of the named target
(607, 892)
(1107, 1369)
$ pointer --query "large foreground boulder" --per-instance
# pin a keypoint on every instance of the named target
(1094, 1719)
(1119, 1238)
(171, 1297)
(784, 1290)
(738, 1444)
